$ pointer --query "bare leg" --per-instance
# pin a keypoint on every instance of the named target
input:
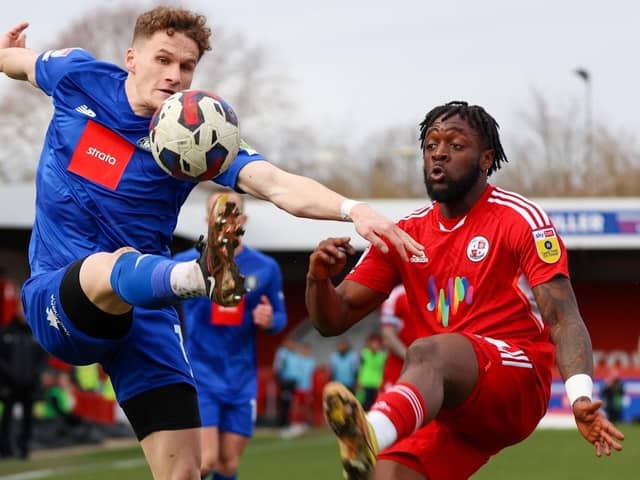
(95, 280)
(210, 447)
(440, 372)
(173, 454)
(232, 446)
(443, 368)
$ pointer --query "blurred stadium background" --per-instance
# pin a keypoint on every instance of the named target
(603, 238)
(589, 183)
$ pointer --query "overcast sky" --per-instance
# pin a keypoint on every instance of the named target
(369, 64)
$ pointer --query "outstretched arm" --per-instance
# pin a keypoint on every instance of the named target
(558, 306)
(332, 310)
(305, 197)
(16, 61)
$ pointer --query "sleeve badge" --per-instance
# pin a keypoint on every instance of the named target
(547, 245)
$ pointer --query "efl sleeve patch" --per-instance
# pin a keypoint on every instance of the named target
(547, 245)
(53, 65)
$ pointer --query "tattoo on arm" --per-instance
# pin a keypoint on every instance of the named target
(559, 309)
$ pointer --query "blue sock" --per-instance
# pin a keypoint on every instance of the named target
(219, 476)
(144, 280)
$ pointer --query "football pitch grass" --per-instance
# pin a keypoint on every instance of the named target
(547, 454)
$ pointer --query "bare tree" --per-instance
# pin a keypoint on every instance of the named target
(388, 164)
(550, 156)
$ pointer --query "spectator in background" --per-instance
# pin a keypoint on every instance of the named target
(221, 346)
(304, 365)
(344, 364)
(59, 401)
(372, 359)
(8, 298)
(612, 395)
(284, 370)
(88, 377)
(396, 333)
(22, 362)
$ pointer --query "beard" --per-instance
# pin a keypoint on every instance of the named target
(454, 190)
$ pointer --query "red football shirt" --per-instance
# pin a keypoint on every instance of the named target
(478, 271)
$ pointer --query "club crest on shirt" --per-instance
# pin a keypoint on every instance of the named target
(144, 143)
(477, 249)
(547, 244)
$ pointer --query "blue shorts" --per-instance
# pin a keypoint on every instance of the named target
(237, 418)
(149, 356)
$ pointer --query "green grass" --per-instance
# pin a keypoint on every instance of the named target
(547, 454)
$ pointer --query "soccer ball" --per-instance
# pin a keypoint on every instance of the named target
(194, 135)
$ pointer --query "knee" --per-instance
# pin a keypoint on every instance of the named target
(209, 463)
(228, 465)
(105, 260)
(122, 251)
(423, 352)
(186, 470)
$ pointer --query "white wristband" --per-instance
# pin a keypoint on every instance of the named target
(346, 206)
(577, 386)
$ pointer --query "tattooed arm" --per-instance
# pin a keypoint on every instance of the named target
(558, 306)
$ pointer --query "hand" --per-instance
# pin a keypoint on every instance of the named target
(595, 428)
(14, 37)
(263, 313)
(372, 226)
(329, 258)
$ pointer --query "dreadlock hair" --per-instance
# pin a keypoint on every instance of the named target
(483, 123)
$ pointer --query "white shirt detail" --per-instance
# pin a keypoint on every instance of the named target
(455, 227)
(86, 111)
(418, 259)
(52, 318)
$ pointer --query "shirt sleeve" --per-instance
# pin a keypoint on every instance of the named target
(229, 178)
(53, 65)
(376, 270)
(541, 252)
(276, 298)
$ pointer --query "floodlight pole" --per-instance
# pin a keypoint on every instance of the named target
(588, 112)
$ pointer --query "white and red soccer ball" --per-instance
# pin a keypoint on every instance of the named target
(194, 135)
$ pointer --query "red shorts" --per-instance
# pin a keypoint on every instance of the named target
(507, 403)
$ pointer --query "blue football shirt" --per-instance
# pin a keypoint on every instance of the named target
(221, 341)
(98, 187)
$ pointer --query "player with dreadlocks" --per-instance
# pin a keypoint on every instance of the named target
(492, 304)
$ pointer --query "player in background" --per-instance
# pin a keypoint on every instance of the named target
(102, 287)
(491, 298)
(221, 346)
(344, 363)
(396, 328)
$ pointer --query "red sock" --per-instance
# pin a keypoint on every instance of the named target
(404, 406)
